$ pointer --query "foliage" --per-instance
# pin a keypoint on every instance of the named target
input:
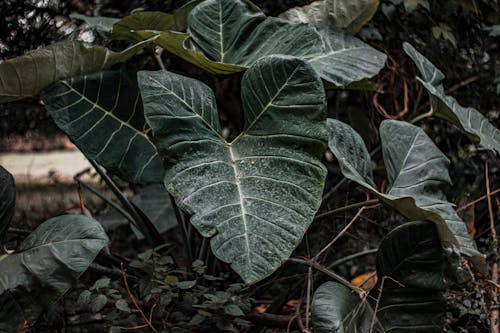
(250, 197)
(416, 172)
(102, 114)
(45, 265)
(471, 121)
(214, 29)
(409, 293)
(25, 76)
(226, 186)
(351, 15)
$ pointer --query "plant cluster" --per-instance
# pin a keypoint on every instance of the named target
(244, 190)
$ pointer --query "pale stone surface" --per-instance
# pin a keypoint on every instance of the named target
(43, 167)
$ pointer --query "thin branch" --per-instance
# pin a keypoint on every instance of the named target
(132, 298)
(366, 203)
(272, 320)
(352, 257)
(328, 272)
(478, 200)
(360, 211)
(308, 296)
(495, 313)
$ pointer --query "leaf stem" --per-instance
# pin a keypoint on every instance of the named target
(326, 271)
(150, 237)
(157, 53)
(422, 116)
(346, 208)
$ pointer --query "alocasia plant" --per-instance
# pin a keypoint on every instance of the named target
(409, 291)
(256, 195)
(416, 170)
(46, 264)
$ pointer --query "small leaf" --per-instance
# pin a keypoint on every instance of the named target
(122, 305)
(233, 310)
(198, 266)
(84, 298)
(171, 280)
(101, 284)
(444, 31)
(197, 320)
(98, 303)
(102, 24)
(351, 15)
(186, 284)
(411, 5)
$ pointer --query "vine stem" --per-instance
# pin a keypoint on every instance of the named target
(326, 271)
(346, 208)
(132, 298)
(336, 238)
(495, 313)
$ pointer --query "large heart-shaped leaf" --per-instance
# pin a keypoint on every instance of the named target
(229, 32)
(348, 14)
(410, 262)
(228, 36)
(471, 121)
(7, 201)
(255, 196)
(166, 29)
(24, 76)
(102, 114)
(417, 171)
(45, 266)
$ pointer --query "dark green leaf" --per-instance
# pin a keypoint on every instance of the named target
(233, 310)
(348, 14)
(101, 284)
(45, 266)
(98, 303)
(267, 182)
(27, 75)
(410, 267)
(102, 114)
(7, 201)
(471, 121)
(102, 24)
(186, 284)
(122, 305)
(417, 171)
(155, 203)
(218, 46)
(84, 298)
(128, 27)
(216, 25)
